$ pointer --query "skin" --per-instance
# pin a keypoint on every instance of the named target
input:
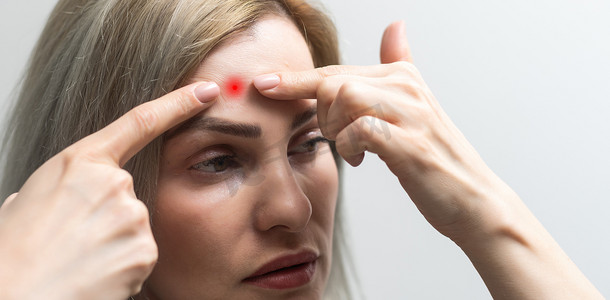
(442, 173)
(435, 164)
(216, 225)
(88, 237)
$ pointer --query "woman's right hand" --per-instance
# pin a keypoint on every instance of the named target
(76, 230)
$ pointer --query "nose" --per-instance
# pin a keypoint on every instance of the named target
(281, 204)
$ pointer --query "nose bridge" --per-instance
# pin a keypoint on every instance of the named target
(282, 203)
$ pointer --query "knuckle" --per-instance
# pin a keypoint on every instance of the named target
(183, 103)
(325, 91)
(364, 128)
(329, 71)
(131, 216)
(352, 134)
(354, 139)
(147, 251)
(405, 68)
(122, 179)
(138, 212)
(74, 156)
(412, 88)
(150, 252)
(422, 112)
(145, 120)
(403, 65)
(349, 91)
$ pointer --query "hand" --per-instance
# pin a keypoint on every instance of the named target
(75, 230)
(388, 109)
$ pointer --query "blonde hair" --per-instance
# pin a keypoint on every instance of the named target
(96, 60)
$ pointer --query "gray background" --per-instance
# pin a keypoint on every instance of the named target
(527, 81)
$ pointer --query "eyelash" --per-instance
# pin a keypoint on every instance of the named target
(311, 143)
(230, 160)
(212, 162)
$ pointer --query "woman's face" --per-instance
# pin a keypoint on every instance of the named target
(248, 186)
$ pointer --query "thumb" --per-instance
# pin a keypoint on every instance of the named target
(394, 45)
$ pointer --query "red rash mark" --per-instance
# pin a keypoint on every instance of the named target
(234, 87)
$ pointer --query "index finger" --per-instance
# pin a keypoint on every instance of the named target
(304, 84)
(123, 138)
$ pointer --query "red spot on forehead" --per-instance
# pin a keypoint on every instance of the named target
(234, 86)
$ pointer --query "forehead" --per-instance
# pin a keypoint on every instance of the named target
(273, 44)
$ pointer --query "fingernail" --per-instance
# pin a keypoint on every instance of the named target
(206, 92)
(266, 82)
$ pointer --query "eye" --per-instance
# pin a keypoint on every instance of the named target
(310, 146)
(215, 165)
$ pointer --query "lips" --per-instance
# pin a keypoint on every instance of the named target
(289, 271)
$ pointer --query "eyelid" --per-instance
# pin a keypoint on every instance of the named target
(210, 153)
(230, 159)
(305, 136)
(216, 151)
(312, 136)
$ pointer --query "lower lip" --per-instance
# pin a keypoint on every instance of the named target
(285, 279)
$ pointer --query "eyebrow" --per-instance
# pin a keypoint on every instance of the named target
(303, 118)
(245, 130)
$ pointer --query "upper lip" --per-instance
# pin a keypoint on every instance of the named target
(286, 261)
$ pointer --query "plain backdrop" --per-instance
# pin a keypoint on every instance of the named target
(527, 81)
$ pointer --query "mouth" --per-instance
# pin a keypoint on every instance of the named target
(285, 272)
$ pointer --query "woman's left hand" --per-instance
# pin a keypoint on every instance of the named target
(388, 109)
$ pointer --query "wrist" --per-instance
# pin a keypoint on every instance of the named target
(516, 256)
(488, 211)
(497, 218)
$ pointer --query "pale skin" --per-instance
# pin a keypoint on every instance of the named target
(439, 169)
(442, 173)
(228, 202)
(87, 236)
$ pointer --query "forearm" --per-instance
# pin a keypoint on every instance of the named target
(518, 259)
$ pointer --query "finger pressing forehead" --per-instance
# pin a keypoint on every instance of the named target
(126, 136)
(304, 84)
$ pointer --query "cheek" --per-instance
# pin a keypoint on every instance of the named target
(188, 223)
(185, 214)
(198, 218)
(321, 184)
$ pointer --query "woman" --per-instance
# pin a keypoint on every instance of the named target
(240, 189)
